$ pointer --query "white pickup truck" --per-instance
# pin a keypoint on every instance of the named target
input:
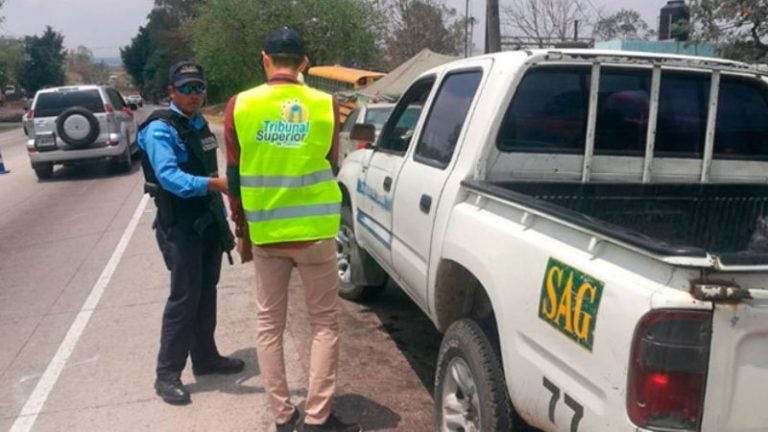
(589, 229)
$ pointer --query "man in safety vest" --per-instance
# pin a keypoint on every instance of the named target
(285, 200)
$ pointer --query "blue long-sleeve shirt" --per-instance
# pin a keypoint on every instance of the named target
(166, 151)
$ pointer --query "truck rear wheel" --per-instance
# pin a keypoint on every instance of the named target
(470, 390)
(352, 262)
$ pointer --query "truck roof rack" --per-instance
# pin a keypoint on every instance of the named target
(651, 59)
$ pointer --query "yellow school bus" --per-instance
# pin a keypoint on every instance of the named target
(337, 78)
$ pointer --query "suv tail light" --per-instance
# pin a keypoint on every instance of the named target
(108, 108)
(30, 114)
(667, 371)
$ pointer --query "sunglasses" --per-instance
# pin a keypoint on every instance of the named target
(188, 88)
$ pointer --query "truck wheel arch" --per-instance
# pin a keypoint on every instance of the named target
(460, 294)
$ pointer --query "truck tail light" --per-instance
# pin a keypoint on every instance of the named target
(359, 145)
(668, 368)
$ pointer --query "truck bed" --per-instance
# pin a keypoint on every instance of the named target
(666, 219)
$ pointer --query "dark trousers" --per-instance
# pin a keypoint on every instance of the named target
(189, 320)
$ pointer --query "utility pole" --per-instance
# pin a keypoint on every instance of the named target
(466, 29)
(492, 27)
(575, 30)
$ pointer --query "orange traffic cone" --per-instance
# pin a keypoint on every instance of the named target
(2, 166)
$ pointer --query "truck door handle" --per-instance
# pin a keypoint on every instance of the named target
(425, 203)
(387, 183)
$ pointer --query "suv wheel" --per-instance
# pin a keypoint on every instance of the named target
(353, 264)
(43, 170)
(77, 126)
(470, 390)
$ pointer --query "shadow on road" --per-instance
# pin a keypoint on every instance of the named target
(88, 171)
(410, 329)
(369, 414)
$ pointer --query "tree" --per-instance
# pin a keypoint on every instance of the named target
(11, 59)
(546, 21)
(625, 24)
(418, 24)
(135, 56)
(229, 35)
(182, 10)
(43, 61)
(79, 64)
(164, 40)
(740, 26)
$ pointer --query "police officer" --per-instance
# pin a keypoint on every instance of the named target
(180, 169)
(286, 201)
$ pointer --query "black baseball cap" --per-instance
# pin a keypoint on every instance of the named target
(185, 72)
(284, 40)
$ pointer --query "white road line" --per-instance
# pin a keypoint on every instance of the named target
(34, 404)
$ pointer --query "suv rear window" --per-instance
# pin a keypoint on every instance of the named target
(51, 104)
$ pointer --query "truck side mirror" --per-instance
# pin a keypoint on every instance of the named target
(363, 132)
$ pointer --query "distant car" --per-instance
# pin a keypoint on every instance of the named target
(135, 99)
(372, 114)
(79, 123)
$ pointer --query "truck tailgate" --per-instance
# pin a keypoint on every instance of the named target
(737, 383)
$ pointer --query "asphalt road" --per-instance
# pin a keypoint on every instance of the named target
(81, 296)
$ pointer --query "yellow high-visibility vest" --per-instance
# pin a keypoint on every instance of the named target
(287, 188)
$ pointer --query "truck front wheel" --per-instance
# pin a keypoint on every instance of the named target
(360, 277)
(470, 391)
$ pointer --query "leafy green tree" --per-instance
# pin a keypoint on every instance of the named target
(229, 35)
(11, 59)
(739, 26)
(43, 61)
(164, 40)
(135, 56)
(625, 24)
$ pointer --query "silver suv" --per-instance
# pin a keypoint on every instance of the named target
(79, 123)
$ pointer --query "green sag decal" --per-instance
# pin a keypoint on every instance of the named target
(570, 300)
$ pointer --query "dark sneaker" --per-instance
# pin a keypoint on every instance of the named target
(171, 391)
(332, 424)
(291, 424)
(222, 365)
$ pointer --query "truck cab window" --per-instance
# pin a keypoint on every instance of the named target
(549, 112)
(397, 132)
(446, 118)
(682, 120)
(742, 119)
(623, 105)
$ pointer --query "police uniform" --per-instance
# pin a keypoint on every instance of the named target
(178, 157)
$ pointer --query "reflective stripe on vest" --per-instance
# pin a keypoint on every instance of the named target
(286, 181)
(293, 212)
(287, 188)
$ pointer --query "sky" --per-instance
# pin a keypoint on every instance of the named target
(106, 25)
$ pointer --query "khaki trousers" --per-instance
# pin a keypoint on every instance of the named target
(319, 275)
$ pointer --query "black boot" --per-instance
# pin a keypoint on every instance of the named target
(171, 391)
